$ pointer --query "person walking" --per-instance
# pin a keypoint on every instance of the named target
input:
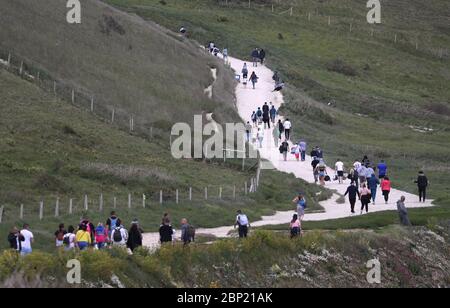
(322, 172)
(119, 235)
(266, 119)
(300, 202)
(262, 56)
(27, 241)
(260, 137)
(373, 183)
(276, 77)
(259, 115)
(273, 114)
(69, 239)
(134, 236)
(254, 118)
(403, 212)
(287, 129)
(319, 153)
(166, 232)
(365, 198)
(101, 236)
(296, 151)
(362, 171)
(255, 57)
(352, 192)
(225, 55)
(83, 237)
(315, 163)
(339, 166)
(187, 232)
(111, 222)
(254, 80)
(422, 185)
(59, 235)
(248, 132)
(265, 108)
(15, 239)
(382, 169)
(303, 147)
(243, 223)
(386, 188)
(353, 176)
(284, 148)
(245, 73)
(295, 226)
(280, 129)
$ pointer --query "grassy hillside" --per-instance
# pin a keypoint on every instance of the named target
(350, 92)
(136, 67)
(51, 149)
(409, 258)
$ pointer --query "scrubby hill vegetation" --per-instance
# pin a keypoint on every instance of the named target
(410, 258)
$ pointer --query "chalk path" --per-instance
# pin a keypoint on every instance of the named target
(248, 100)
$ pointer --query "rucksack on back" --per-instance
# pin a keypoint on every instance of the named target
(66, 239)
(117, 235)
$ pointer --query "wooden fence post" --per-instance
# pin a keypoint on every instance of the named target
(351, 27)
(21, 212)
(417, 45)
(234, 192)
(292, 11)
(54, 87)
(246, 188)
(143, 200)
(38, 76)
(329, 20)
(395, 39)
(73, 96)
(57, 208)
(190, 193)
(113, 115)
(177, 196)
(220, 192)
(92, 104)
(86, 203)
(206, 193)
(115, 202)
(41, 210)
(70, 206)
(9, 59)
(309, 16)
(160, 197)
(21, 68)
(100, 203)
(129, 201)
(1, 214)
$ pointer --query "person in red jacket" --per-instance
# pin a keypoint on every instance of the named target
(386, 188)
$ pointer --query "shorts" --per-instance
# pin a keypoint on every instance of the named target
(295, 231)
(340, 173)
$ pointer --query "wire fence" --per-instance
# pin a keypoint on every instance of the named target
(80, 205)
(346, 28)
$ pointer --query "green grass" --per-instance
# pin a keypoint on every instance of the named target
(395, 86)
(52, 149)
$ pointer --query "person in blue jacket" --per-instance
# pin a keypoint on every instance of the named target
(273, 114)
(382, 169)
(373, 183)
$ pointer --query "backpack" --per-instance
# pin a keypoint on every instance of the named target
(117, 235)
(66, 239)
(191, 232)
(100, 235)
(259, 113)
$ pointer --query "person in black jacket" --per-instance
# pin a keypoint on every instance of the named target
(166, 232)
(422, 184)
(262, 55)
(134, 236)
(352, 192)
(15, 239)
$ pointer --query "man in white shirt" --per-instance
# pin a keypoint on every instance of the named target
(28, 240)
(243, 224)
(287, 129)
(340, 170)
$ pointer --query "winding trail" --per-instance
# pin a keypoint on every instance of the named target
(248, 100)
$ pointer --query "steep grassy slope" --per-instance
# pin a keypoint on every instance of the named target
(349, 92)
(133, 66)
(408, 257)
(51, 149)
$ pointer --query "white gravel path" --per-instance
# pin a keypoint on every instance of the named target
(248, 100)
